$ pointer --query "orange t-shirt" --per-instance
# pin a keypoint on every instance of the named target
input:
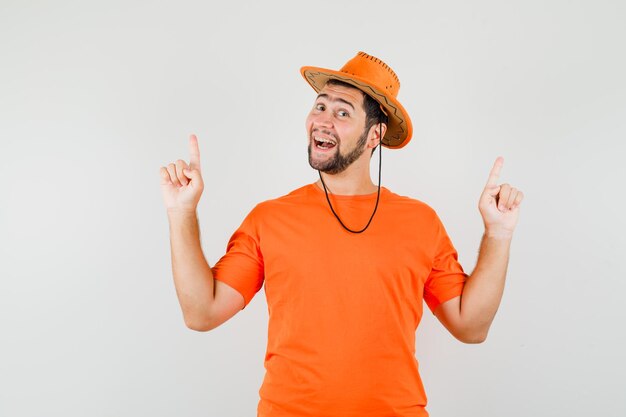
(343, 307)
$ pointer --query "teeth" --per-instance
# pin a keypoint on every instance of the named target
(324, 140)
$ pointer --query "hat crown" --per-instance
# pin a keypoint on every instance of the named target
(375, 71)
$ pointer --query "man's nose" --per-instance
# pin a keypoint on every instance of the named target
(323, 119)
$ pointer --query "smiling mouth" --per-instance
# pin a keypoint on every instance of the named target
(324, 143)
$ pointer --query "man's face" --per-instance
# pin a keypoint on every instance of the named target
(336, 129)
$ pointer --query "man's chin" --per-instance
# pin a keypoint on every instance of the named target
(321, 163)
(318, 166)
(327, 167)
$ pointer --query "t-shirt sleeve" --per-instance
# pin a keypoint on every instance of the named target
(242, 267)
(446, 278)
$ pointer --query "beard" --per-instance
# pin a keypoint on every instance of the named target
(338, 162)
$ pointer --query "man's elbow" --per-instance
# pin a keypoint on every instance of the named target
(474, 340)
(473, 337)
(199, 324)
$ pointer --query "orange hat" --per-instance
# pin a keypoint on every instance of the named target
(372, 76)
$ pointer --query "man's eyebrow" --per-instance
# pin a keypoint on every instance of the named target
(326, 96)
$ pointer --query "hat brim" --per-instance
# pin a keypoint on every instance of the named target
(399, 129)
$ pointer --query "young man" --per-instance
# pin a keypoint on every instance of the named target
(346, 264)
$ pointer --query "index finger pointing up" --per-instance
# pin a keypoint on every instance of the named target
(495, 172)
(194, 153)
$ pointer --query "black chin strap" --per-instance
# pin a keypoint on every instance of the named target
(380, 159)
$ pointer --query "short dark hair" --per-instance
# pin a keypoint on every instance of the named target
(373, 112)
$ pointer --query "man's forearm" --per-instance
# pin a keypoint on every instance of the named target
(483, 289)
(192, 275)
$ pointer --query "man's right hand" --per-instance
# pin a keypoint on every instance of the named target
(182, 184)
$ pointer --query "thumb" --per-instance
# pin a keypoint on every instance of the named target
(193, 174)
(491, 191)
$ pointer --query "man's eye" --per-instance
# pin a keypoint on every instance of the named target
(320, 107)
(342, 113)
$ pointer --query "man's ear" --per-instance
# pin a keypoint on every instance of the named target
(374, 135)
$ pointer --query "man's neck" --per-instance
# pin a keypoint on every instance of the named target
(348, 182)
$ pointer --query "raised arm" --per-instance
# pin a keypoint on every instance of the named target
(205, 302)
(469, 316)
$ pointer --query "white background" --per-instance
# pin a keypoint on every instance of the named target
(94, 98)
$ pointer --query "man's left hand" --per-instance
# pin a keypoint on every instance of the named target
(499, 204)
